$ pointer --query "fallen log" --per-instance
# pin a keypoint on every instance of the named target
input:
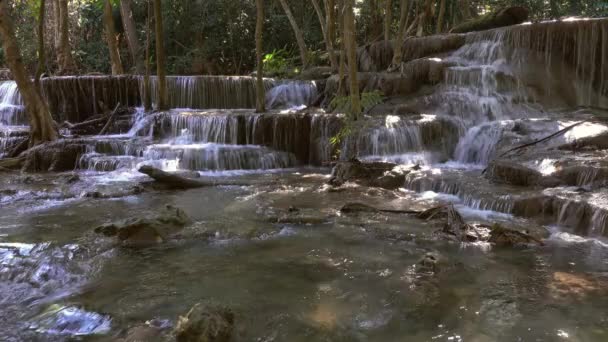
(179, 182)
(504, 17)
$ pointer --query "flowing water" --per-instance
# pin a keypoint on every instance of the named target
(279, 253)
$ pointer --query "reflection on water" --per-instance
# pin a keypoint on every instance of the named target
(320, 275)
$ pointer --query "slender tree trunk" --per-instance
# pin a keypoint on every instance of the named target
(351, 46)
(65, 61)
(388, 19)
(41, 122)
(108, 20)
(398, 46)
(41, 54)
(465, 9)
(147, 89)
(260, 96)
(440, 17)
(297, 32)
(131, 34)
(342, 70)
(423, 18)
(328, 41)
(160, 57)
(330, 10)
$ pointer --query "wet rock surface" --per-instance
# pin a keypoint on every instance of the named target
(374, 174)
(146, 231)
(206, 322)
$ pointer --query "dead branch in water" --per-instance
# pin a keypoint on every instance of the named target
(110, 120)
(178, 182)
(547, 138)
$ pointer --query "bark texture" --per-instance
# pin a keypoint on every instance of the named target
(324, 28)
(65, 60)
(398, 54)
(41, 123)
(388, 19)
(128, 24)
(41, 58)
(108, 20)
(330, 11)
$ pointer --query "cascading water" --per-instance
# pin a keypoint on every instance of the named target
(232, 92)
(11, 108)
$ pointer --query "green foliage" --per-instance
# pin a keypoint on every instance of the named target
(280, 63)
(368, 100)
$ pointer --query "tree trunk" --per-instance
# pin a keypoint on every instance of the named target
(131, 34)
(351, 46)
(65, 61)
(41, 122)
(424, 16)
(108, 20)
(260, 96)
(40, 67)
(297, 32)
(441, 16)
(342, 70)
(324, 27)
(147, 90)
(160, 57)
(398, 46)
(56, 25)
(465, 10)
(388, 19)
(330, 10)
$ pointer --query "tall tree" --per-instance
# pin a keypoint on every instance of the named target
(111, 38)
(160, 57)
(65, 61)
(342, 69)
(388, 19)
(351, 47)
(398, 45)
(324, 28)
(41, 54)
(147, 88)
(441, 16)
(298, 33)
(330, 11)
(128, 24)
(41, 122)
(260, 96)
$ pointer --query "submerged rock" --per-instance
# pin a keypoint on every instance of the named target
(501, 236)
(146, 231)
(205, 323)
(374, 174)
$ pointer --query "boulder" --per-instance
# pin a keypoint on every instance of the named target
(146, 231)
(510, 172)
(205, 323)
(374, 174)
(54, 157)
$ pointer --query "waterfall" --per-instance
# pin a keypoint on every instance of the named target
(11, 108)
(479, 143)
(232, 92)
